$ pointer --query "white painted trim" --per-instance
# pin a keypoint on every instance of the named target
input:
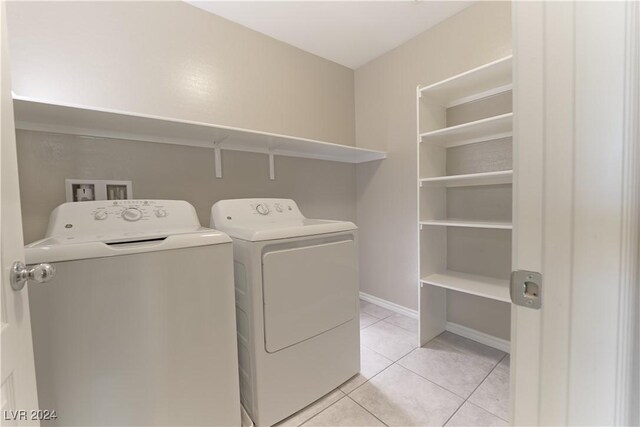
(37, 115)
(481, 337)
(217, 155)
(481, 95)
(627, 314)
(272, 167)
(454, 328)
(493, 137)
(463, 75)
(396, 308)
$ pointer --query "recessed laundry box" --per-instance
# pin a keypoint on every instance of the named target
(296, 304)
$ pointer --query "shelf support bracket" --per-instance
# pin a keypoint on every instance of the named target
(217, 155)
(272, 167)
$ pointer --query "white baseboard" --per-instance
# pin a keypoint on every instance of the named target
(478, 336)
(389, 305)
(454, 328)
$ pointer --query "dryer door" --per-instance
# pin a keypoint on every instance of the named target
(307, 291)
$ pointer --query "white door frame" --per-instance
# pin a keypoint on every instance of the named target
(18, 383)
(576, 211)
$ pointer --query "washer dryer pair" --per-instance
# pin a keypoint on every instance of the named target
(297, 309)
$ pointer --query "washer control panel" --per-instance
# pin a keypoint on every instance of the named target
(130, 210)
(239, 211)
(113, 216)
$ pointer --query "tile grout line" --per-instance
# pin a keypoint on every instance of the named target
(370, 325)
(367, 411)
(443, 387)
(348, 394)
(395, 362)
(387, 357)
(435, 383)
(376, 317)
(385, 320)
(426, 379)
(454, 413)
(486, 410)
(373, 376)
(452, 392)
(324, 409)
(484, 379)
(474, 390)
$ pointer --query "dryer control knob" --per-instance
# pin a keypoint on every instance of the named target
(131, 214)
(262, 209)
(100, 215)
(160, 213)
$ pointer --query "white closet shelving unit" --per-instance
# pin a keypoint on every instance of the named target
(46, 116)
(464, 186)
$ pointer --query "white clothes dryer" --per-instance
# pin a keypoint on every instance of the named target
(137, 327)
(297, 305)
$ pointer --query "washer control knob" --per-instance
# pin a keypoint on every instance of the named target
(131, 214)
(278, 207)
(100, 215)
(262, 209)
(160, 213)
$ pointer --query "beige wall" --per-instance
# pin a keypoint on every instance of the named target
(163, 171)
(172, 59)
(386, 120)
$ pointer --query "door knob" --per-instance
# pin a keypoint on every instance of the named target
(21, 274)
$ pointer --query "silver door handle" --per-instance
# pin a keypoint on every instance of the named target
(21, 274)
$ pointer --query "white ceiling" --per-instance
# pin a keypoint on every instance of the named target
(350, 33)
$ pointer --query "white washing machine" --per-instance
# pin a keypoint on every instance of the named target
(137, 327)
(297, 304)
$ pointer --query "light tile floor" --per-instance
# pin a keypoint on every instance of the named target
(450, 381)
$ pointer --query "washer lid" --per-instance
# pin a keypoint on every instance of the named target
(82, 230)
(269, 219)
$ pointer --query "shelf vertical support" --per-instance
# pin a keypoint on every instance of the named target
(272, 167)
(217, 154)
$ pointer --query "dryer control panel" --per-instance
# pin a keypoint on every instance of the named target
(114, 216)
(239, 211)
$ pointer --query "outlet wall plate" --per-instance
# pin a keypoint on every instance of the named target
(79, 190)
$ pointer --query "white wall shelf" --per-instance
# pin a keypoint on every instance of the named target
(499, 225)
(487, 80)
(472, 179)
(483, 100)
(488, 287)
(488, 129)
(40, 115)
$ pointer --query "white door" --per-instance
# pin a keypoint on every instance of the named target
(576, 217)
(18, 391)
